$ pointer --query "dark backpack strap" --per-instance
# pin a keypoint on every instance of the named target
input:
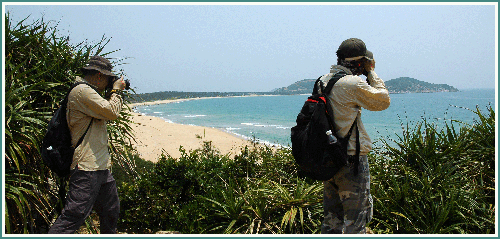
(83, 136)
(64, 180)
(352, 127)
(358, 144)
(317, 83)
(358, 150)
(334, 80)
(325, 91)
(65, 100)
(76, 84)
(355, 158)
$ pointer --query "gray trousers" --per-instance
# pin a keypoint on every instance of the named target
(347, 202)
(89, 190)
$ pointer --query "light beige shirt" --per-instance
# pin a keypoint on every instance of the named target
(85, 104)
(348, 96)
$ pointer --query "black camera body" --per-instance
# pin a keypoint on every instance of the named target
(357, 67)
(109, 87)
(127, 84)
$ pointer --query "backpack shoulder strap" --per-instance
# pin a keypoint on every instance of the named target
(326, 91)
(66, 101)
(83, 136)
(358, 148)
(352, 127)
(79, 83)
(318, 85)
(334, 80)
(339, 71)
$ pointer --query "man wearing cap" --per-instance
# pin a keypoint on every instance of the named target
(91, 185)
(347, 200)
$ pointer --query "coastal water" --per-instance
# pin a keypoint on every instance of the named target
(269, 119)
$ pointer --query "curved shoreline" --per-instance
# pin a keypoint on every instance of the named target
(158, 102)
(155, 135)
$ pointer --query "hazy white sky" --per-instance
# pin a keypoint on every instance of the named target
(247, 47)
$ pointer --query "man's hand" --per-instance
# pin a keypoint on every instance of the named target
(119, 84)
(369, 66)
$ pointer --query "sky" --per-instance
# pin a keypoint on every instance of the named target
(249, 47)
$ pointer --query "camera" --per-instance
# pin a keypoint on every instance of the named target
(114, 79)
(127, 84)
(357, 67)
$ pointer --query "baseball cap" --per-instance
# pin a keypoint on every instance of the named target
(369, 55)
(353, 49)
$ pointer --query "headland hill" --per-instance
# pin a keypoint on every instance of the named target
(399, 85)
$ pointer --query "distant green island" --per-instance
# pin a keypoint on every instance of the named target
(411, 85)
(399, 85)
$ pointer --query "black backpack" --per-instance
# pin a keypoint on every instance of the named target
(57, 152)
(316, 157)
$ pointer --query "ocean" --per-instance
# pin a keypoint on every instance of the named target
(268, 119)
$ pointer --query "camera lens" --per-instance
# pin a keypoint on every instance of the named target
(127, 84)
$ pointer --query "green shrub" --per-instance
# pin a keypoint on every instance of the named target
(205, 192)
(437, 181)
(428, 181)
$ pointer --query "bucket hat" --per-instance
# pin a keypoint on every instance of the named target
(100, 64)
(353, 49)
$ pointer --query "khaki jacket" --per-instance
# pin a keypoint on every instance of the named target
(85, 104)
(348, 96)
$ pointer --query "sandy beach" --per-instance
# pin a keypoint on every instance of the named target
(155, 135)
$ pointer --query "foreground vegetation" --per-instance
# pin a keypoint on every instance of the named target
(40, 66)
(428, 180)
(437, 180)
(431, 181)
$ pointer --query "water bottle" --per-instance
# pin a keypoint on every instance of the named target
(331, 137)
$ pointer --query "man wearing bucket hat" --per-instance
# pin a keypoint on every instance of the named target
(347, 200)
(91, 185)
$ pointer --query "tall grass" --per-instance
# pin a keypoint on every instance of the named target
(40, 65)
(428, 181)
(206, 192)
(437, 181)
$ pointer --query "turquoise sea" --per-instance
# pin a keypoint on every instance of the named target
(268, 119)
